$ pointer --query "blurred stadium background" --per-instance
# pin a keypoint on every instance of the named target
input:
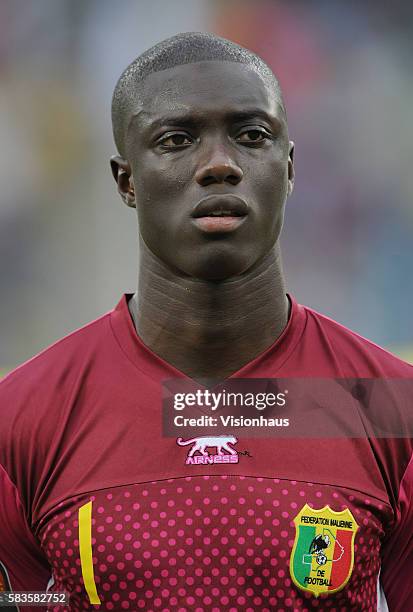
(68, 246)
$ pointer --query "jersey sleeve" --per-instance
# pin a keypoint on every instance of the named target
(20, 554)
(397, 557)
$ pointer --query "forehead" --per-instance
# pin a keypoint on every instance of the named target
(210, 88)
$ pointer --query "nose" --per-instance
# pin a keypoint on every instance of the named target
(217, 166)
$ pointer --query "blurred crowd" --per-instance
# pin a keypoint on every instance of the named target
(68, 247)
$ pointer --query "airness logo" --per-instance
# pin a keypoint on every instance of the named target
(322, 558)
(200, 444)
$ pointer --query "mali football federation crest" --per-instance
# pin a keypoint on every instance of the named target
(322, 558)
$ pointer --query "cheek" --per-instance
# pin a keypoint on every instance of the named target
(159, 200)
(162, 178)
(162, 200)
(271, 187)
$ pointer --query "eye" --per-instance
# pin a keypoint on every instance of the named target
(253, 136)
(175, 140)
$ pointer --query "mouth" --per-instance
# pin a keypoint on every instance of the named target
(220, 213)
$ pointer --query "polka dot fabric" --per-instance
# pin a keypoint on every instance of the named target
(215, 543)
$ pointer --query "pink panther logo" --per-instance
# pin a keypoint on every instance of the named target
(221, 443)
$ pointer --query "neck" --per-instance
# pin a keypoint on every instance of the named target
(209, 329)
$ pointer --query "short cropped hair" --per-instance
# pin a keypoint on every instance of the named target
(184, 48)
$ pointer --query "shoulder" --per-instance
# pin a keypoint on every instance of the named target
(35, 396)
(352, 354)
(42, 402)
(70, 352)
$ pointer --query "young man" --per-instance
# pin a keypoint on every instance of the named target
(94, 497)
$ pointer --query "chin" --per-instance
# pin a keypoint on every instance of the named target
(218, 268)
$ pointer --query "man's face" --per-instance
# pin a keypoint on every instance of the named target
(209, 139)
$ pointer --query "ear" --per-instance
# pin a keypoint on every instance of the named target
(122, 174)
(291, 173)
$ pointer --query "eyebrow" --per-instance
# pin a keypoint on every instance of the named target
(193, 119)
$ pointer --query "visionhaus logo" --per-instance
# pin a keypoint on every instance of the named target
(224, 452)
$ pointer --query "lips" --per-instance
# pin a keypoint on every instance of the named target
(219, 214)
(218, 206)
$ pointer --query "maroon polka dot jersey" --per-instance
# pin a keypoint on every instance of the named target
(97, 502)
